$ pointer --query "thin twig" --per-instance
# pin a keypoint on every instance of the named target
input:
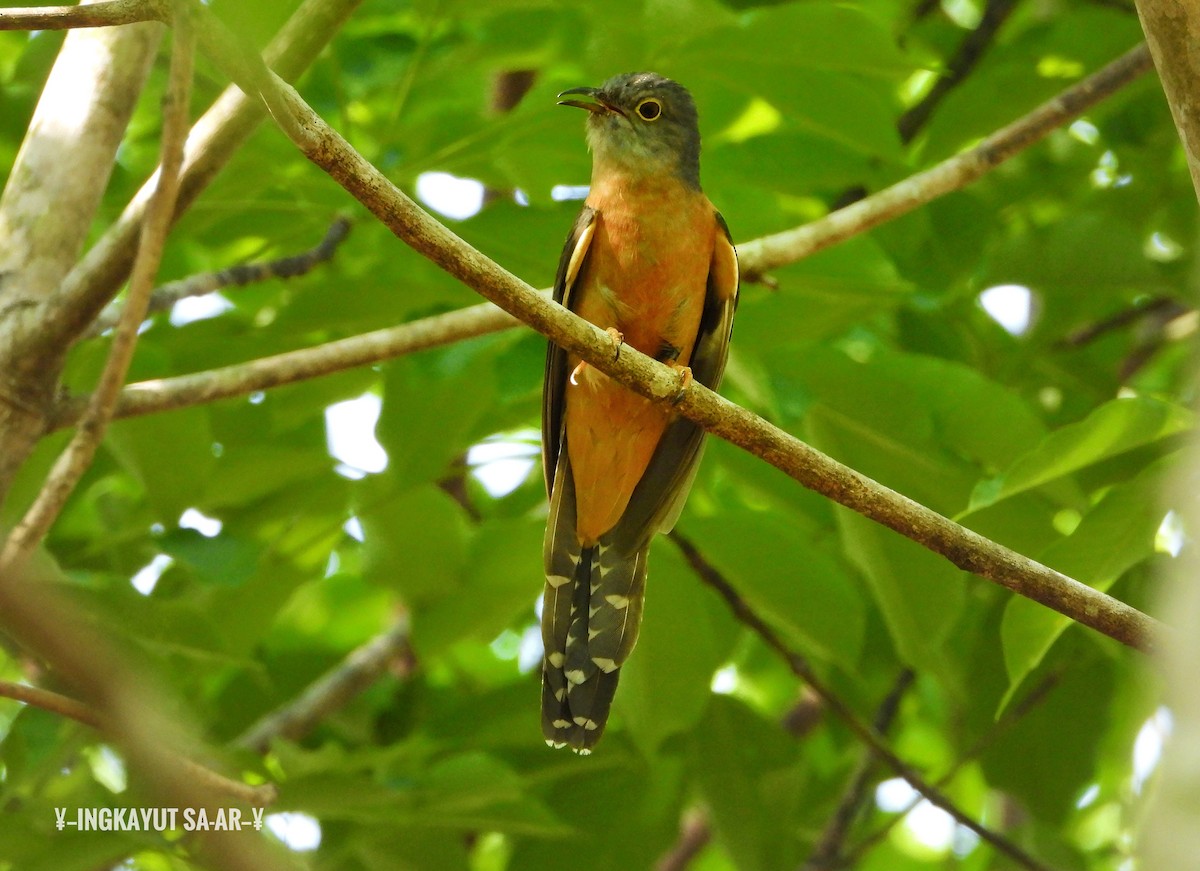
(827, 854)
(333, 689)
(865, 732)
(56, 703)
(970, 52)
(647, 377)
(235, 276)
(755, 257)
(1014, 715)
(106, 14)
(48, 700)
(694, 835)
(957, 172)
(77, 457)
(149, 397)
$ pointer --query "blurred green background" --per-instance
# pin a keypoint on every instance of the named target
(1049, 423)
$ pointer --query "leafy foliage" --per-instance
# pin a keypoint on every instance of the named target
(878, 352)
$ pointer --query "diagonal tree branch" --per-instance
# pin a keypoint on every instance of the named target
(779, 249)
(77, 457)
(106, 14)
(64, 706)
(1011, 717)
(234, 276)
(970, 52)
(212, 142)
(148, 397)
(964, 548)
(361, 667)
(949, 175)
(862, 730)
(827, 854)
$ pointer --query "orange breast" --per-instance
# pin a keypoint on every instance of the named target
(646, 276)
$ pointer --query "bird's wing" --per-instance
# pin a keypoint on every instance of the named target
(574, 254)
(659, 496)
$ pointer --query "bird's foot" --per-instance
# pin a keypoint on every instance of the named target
(618, 339)
(685, 381)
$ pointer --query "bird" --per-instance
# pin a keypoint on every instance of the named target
(651, 261)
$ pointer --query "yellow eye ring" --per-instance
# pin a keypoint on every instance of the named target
(649, 109)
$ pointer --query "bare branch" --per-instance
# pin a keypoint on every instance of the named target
(694, 835)
(777, 250)
(64, 706)
(964, 548)
(1012, 716)
(170, 393)
(65, 160)
(235, 276)
(865, 732)
(75, 459)
(48, 700)
(333, 689)
(970, 52)
(106, 14)
(827, 854)
(148, 397)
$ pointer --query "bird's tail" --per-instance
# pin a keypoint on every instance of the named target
(591, 613)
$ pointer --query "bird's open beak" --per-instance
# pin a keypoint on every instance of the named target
(601, 105)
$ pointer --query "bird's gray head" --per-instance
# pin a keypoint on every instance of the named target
(642, 123)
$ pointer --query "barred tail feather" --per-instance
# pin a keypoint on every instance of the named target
(591, 614)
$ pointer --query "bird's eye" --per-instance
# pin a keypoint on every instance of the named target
(649, 109)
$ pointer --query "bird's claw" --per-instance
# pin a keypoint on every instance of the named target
(618, 339)
(685, 381)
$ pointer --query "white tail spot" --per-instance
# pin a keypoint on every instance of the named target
(617, 602)
(605, 664)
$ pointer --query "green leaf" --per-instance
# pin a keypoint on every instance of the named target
(686, 635)
(1113, 428)
(171, 454)
(1115, 535)
(416, 541)
(501, 577)
(431, 408)
(787, 577)
(735, 754)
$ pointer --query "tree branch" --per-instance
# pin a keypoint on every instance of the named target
(970, 52)
(827, 854)
(863, 731)
(212, 141)
(107, 14)
(957, 172)
(964, 548)
(148, 397)
(64, 706)
(694, 835)
(1011, 717)
(1172, 27)
(65, 160)
(77, 457)
(949, 175)
(333, 689)
(167, 295)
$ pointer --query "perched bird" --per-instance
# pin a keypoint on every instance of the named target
(650, 260)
